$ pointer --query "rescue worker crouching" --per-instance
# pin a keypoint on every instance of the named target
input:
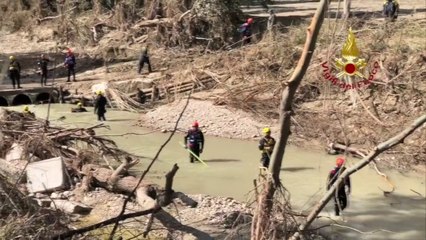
(27, 111)
(340, 195)
(266, 145)
(79, 108)
(194, 140)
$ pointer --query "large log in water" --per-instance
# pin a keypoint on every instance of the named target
(148, 195)
(111, 180)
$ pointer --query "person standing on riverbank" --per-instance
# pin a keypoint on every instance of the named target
(42, 64)
(100, 106)
(266, 145)
(340, 197)
(194, 140)
(70, 65)
(144, 59)
(15, 72)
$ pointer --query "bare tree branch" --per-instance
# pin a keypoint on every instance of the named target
(104, 223)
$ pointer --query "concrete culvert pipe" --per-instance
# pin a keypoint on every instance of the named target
(21, 99)
(3, 102)
(42, 97)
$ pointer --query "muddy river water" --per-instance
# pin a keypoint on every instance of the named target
(233, 164)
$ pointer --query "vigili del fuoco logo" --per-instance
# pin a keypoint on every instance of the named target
(351, 67)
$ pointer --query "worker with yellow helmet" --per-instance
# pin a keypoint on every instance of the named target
(266, 145)
(79, 108)
(27, 111)
(14, 72)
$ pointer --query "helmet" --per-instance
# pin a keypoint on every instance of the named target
(79, 104)
(340, 161)
(11, 58)
(250, 20)
(26, 109)
(195, 124)
(266, 130)
(99, 92)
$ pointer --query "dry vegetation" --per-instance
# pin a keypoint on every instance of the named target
(323, 111)
(252, 76)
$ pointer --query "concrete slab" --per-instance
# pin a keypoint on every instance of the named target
(46, 175)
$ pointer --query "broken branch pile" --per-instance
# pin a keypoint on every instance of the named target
(81, 150)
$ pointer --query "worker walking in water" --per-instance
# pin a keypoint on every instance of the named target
(194, 140)
(70, 65)
(144, 58)
(100, 106)
(266, 145)
(14, 72)
(340, 197)
(42, 64)
(79, 108)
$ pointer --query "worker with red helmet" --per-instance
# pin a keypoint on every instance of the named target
(245, 29)
(70, 64)
(194, 140)
(340, 197)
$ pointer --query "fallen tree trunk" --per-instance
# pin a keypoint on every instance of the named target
(342, 148)
(110, 180)
(153, 23)
(148, 195)
(392, 142)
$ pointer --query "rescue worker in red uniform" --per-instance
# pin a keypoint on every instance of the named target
(340, 198)
(194, 140)
(245, 29)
